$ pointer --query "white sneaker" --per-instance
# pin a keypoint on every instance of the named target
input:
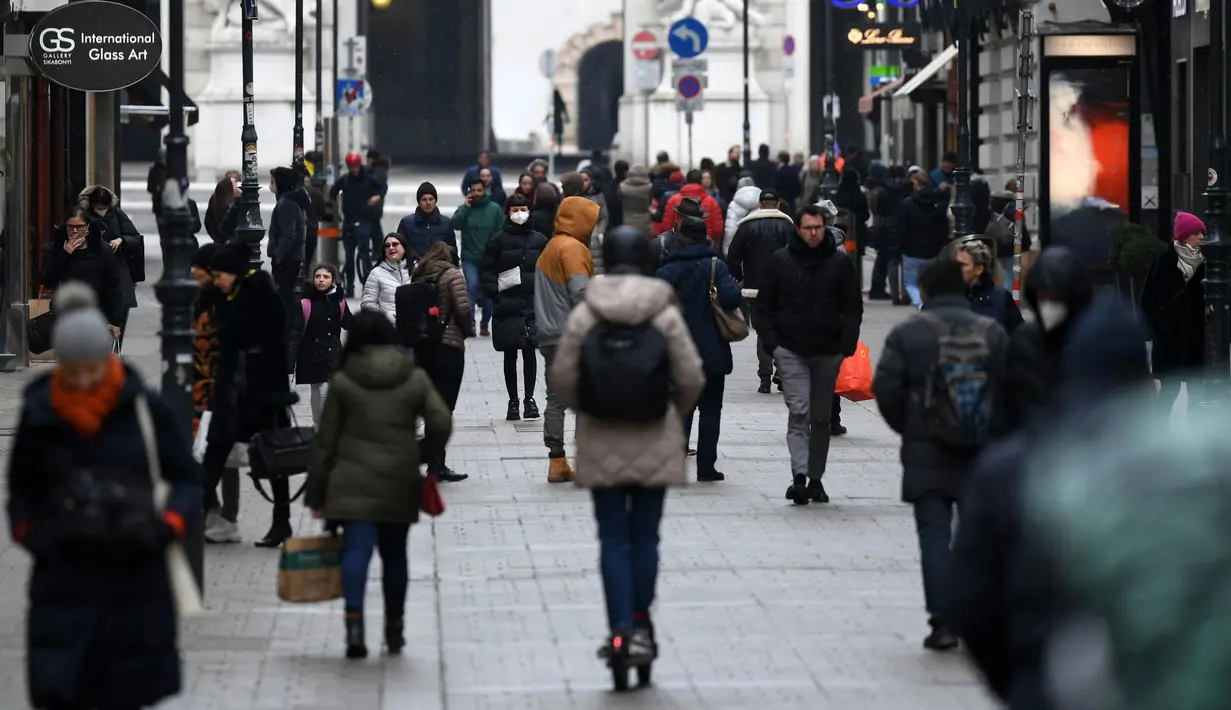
(223, 532)
(212, 518)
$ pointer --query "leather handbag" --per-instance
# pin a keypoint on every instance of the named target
(280, 453)
(731, 325)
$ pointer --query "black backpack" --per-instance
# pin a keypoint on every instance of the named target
(415, 323)
(625, 373)
(958, 394)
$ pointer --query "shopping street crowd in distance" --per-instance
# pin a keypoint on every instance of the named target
(631, 285)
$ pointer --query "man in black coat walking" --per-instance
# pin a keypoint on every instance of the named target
(758, 236)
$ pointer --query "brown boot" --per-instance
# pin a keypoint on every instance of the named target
(559, 471)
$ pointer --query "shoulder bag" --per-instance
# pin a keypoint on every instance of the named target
(731, 325)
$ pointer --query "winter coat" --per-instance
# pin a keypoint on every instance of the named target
(564, 269)
(365, 455)
(849, 197)
(764, 171)
(787, 183)
(1174, 310)
(615, 206)
(809, 301)
(810, 184)
(221, 222)
(380, 171)
(713, 211)
(477, 222)
(356, 190)
(472, 174)
(688, 271)
(1005, 204)
(636, 199)
(926, 225)
(116, 225)
(421, 230)
(600, 229)
(757, 237)
(543, 218)
(900, 385)
(251, 386)
(651, 454)
(380, 288)
(95, 265)
(205, 351)
(288, 226)
(454, 301)
(746, 201)
(100, 633)
(888, 208)
(317, 354)
(995, 302)
(726, 179)
(514, 247)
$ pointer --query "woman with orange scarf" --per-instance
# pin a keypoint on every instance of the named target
(102, 615)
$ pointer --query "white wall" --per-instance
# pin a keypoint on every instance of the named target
(520, 96)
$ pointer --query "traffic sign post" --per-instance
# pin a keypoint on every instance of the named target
(688, 38)
(352, 97)
(645, 45)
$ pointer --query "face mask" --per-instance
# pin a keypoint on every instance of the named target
(519, 217)
(100, 212)
(1052, 315)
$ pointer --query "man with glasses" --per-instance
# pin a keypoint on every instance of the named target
(808, 312)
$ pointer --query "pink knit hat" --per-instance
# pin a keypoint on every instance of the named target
(1186, 225)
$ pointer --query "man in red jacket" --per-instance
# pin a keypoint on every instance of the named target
(713, 211)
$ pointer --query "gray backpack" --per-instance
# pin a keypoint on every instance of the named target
(958, 394)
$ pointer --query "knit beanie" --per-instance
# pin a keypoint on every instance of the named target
(426, 188)
(204, 256)
(1186, 225)
(230, 259)
(80, 333)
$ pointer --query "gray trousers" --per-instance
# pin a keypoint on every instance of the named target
(765, 360)
(807, 388)
(553, 415)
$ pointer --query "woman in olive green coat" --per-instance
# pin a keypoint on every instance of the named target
(365, 465)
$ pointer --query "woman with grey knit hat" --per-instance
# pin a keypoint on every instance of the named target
(102, 614)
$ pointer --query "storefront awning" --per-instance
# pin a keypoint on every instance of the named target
(867, 102)
(927, 72)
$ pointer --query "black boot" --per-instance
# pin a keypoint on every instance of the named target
(797, 492)
(532, 409)
(764, 388)
(514, 412)
(355, 646)
(278, 533)
(941, 638)
(394, 640)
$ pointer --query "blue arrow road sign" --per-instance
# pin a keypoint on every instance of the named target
(688, 38)
(689, 86)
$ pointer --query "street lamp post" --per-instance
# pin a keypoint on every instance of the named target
(829, 180)
(963, 206)
(251, 230)
(176, 290)
(319, 177)
(297, 132)
(747, 95)
(1215, 246)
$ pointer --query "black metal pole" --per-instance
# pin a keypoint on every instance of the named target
(963, 206)
(829, 180)
(320, 97)
(176, 290)
(251, 230)
(747, 93)
(297, 137)
(1216, 247)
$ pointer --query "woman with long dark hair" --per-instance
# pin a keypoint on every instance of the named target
(222, 212)
(364, 473)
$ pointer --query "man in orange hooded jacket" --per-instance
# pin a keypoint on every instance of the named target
(713, 211)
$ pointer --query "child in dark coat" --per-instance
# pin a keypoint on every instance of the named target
(325, 314)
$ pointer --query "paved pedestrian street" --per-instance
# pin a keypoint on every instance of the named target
(760, 604)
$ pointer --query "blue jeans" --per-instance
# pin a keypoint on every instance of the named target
(710, 426)
(360, 538)
(470, 269)
(628, 519)
(934, 526)
(911, 268)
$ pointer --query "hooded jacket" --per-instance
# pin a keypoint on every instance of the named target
(636, 199)
(687, 268)
(115, 224)
(564, 269)
(366, 455)
(380, 288)
(288, 226)
(454, 299)
(713, 211)
(95, 265)
(927, 225)
(477, 222)
(649, 455)
(746, 201)
(888, 207)
(757, 237)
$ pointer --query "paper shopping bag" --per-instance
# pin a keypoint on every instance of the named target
(855, 376)
(310, 570)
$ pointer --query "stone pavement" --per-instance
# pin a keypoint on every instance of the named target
(760, 604)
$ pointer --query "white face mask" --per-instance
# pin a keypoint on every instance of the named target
(100, 212)
(1052, 315)
(519, 217)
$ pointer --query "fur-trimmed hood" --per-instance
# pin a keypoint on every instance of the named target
(83, 197)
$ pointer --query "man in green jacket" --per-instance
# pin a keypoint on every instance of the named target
(477, 220)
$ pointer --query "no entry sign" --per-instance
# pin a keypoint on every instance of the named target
(645, 45)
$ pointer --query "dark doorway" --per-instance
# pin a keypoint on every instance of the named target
(425, 64)
(139, 139)
(600, 84)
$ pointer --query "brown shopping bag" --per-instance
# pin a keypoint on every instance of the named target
(311, 569)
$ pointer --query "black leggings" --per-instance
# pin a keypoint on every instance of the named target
(530, 367)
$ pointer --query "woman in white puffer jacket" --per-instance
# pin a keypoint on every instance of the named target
(383, 281)
(746, 201)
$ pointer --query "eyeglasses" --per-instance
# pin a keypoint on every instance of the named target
(75, 227)
(813, 228)
(392, 245)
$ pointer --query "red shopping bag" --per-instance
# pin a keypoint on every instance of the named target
(430, 500)
(855, 376)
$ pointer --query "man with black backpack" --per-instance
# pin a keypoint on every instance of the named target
(939, 384)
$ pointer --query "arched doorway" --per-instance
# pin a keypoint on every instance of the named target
(600, 83)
